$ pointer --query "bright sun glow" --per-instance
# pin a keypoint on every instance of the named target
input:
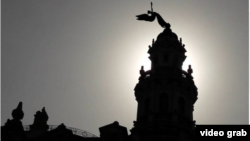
(146, 62)
(186, 63)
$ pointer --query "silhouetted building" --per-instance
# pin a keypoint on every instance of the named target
(113, 132)
(166, 95)
(13, 130)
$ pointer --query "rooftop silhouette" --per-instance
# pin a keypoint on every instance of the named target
(165, 94)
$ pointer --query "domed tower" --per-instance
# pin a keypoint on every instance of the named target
(165, 94)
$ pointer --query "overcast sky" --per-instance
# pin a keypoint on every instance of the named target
(81, 59)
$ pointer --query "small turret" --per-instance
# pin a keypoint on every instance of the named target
(40, 121)
(18, 112)
(39, 126)
(13, 129)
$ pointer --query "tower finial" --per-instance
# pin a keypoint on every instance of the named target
(190, 71)
(142, 70)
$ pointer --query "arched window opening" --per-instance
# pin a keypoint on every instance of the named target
(163, 102)
(182, 105)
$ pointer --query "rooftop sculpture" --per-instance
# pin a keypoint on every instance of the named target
(151, 15)
(165, 94)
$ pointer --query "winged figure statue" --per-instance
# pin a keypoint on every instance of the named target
(151, 15)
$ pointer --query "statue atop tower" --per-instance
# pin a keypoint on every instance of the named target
(151, 17)
(166, 94)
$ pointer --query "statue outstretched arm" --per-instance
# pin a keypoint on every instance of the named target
(146, 17)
